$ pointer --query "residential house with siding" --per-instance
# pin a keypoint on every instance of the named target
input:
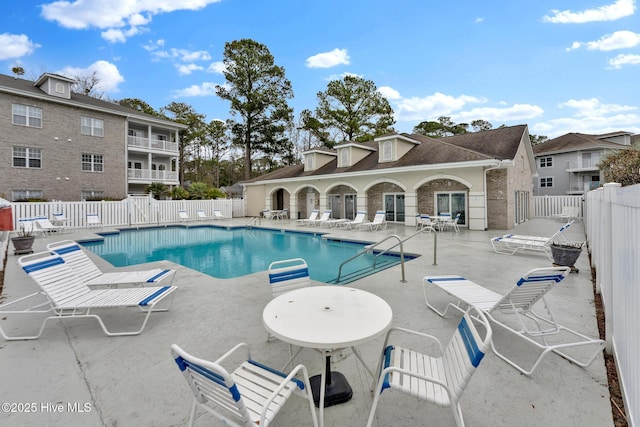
(61, 145)
(486, 176)
(568, 164)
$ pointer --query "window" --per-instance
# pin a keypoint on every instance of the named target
(60, 87)
(387, 151)
(91, 195)
(546, 162)
(92, 163)
(27, 116)
(344, 158)
(17, 195)
(546, 182)
(93, 127)
(308, 162)
(24, 157)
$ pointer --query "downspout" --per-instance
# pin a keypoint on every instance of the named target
(498, 165)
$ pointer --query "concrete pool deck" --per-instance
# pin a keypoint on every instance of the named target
(133, 381)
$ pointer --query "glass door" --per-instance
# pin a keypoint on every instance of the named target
(453, 204)
(394, 207)
(335, 205)
(350, 206)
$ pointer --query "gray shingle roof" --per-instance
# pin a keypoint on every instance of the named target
(574, 142)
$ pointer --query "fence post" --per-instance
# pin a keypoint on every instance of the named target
(605, 276)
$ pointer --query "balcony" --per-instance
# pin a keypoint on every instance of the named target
(143, 176)
(583, 165)
(148, 144)
(582, 187)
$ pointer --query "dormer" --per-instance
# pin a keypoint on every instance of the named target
(392, 147)
(55, 85)
(314, 159)
(351, 153)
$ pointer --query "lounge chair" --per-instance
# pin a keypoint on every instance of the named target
(359, 219)
(307, 221)
(568, 213)
(91, 275)
(67, 297)
(59, 219)
(217, 214)
(201, 215)
(28, 225)
(378, 223)
(324, 217)
(251, 395)
(439, 379)
(183, 215)
(93, 219)
(510, 244)
(44, 225)
(514, 312)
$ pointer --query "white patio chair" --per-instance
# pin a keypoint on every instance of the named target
(424, 222)
(307, 221)
(324, 217)
(201, 215)
(568, 213)
(452, 223)
(183, 215)
(91, 275)
(510, 244)
(251, 395)
(217, 214)
(287, 275)
(359, 219)
(67, 297)
(514, 312)
(59, 219)
(93, 219)
(379, 222)
(439, 379)
(44, 225)
(283, 214)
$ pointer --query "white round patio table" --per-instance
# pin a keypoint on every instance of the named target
(328, 318)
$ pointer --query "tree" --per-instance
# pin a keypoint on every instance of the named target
(185, 114)
(157, 190)
(537, 139)
(18, 71)
(622, 166)
(87, 84)
(138, 105)
(217, 141)
(258, 91)
(479, 125)
(355, 108)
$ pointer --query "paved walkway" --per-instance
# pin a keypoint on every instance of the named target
(76, 376)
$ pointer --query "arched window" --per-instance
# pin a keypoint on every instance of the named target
(344, 157)
(387, 150)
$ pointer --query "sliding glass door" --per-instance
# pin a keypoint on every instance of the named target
(452, 203)
(394, 207)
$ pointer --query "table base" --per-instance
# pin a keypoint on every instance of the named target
(337, 390)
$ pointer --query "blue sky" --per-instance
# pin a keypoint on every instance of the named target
(559, 66)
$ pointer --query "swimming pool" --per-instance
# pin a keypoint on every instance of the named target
(232, 252)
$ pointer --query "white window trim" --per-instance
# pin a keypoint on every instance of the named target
(92, 163)
(93, 126)
(30, 154)
(29, 115)
(546, 178)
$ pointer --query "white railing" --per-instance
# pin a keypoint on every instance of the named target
(548, 206)
(132, 211)
(151, 175)
(152, 144)
(612, 225)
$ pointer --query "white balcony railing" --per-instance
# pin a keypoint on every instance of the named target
(151, 175)
(584, 164)
(152, 144)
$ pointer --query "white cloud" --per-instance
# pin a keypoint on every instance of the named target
(130, 16)
(617, 40)
(617, 10)
(204, 89)
(389, 93)
(15, 46)
(593, 107)
(217, 67)
(436, 105)
(328, 59)
(186, 69)
(106, 72)
(333, 77)
(500, 115)
(624, 59)
(478, 20)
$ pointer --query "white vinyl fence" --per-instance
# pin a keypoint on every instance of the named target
(612, 225)
(548, 206)
(132, 211)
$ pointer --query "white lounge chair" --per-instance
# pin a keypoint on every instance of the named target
(44, 225)
(379, 222)
(93, 219)
(359, 219)
(67, 297)
(183, 215)
(217, 214)
(307, 221)
(91, 275)
(439, 379)
(510, 244)
(59, 219)
(568, 213)
(324, 217)
(201, 215)
(251, 395)
(514, 312)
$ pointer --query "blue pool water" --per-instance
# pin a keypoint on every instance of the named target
(232, 252)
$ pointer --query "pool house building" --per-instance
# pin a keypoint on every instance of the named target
(486, 176)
